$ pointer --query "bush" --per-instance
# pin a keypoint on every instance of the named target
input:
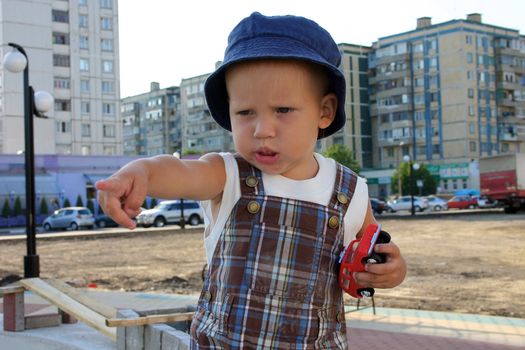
(18, 207)
(6, 209)
(79, 201)
(44, 209)
(67, 203)
(153, 202)
(90, 205)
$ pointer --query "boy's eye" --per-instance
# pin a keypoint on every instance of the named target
(244, 112)
(284, 109)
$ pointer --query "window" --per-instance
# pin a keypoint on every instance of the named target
(108, 130)
(85, 107)
(106, 23)
(84, 85)
(504, 147)
(106, 4)
(110, 150)
(85, 150)
(108, 108)
(468, 39)
(107, 66)
(469, 75)
(83, 42)
(60, 38)
(82, 2)
(470, 58)
(472, 146)
(471, 93)
(60, 60)
(472, 128)
(84, 64)
(106, 44)
(108, 87)
(83, 21)
(85, 130)
(62, 105)
(63, 127)
(436, 149)
(471, 110)
(62, 83)
(60, 16)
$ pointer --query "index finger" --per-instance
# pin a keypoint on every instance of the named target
(116, 212)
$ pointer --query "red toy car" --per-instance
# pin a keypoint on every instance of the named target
(356, 255)
(462, 202)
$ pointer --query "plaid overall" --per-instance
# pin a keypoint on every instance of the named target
(272, 283)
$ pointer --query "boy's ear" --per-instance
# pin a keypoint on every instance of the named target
(328, 110)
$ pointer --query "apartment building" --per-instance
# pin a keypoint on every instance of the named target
(72, 48)
(200, 132)
(447, 94)
(151, 122)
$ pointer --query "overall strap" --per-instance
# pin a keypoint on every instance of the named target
(344, 188)
(250, 177)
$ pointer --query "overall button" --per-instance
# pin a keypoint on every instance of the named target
(253, 207)
(342, 198)
(333, 222)
(207, 295)
(251, 181)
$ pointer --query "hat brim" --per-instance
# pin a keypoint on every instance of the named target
(282, 48)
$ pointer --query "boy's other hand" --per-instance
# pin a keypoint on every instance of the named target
(386, 275)
(121, 198)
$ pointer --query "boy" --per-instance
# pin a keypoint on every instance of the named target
(277, 214)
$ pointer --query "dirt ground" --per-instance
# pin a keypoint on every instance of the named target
(461, 263)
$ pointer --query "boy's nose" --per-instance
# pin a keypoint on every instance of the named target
(264, 128)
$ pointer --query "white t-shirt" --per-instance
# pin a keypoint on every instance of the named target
(318, 190)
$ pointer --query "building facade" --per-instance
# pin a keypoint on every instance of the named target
(200, 132)
(151, 122)
(447, 94)
(72, 48)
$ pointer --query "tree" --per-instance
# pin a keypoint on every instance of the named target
(145, 204)
(43, 206)
(153, 202)
(6, 209)
(90, 205)
(67, 203)
(429, 182)
(79, 203)
(18, 207)
(343, 155)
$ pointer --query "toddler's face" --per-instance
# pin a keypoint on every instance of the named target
(276, 111)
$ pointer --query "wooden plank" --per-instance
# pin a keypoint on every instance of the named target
(11, 289)
(82, 297)
(139, 321)
(69, 305)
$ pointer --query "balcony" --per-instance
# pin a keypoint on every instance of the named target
(508, 137)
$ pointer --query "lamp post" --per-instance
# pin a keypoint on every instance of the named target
(412, 167)
(400, 151)
(182, 223)
(35, 104)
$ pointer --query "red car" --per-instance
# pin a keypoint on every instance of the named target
(462, 202)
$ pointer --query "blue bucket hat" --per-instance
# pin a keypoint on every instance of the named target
(277, 37)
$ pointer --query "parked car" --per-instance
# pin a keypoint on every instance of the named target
(486, 202)
(377, 205)
(462, 202)
(436, 203)
(105, 221)
(169, 212)
(405, 203)
(71, 218)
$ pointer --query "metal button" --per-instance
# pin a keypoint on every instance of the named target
(333, 222)
(340, 317)
(251, 181)
(207, 295)
(342, 198)
(253, 207)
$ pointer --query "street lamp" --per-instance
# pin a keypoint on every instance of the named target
(182, 223)
(412, 166)
(401, 144)
(35, 104)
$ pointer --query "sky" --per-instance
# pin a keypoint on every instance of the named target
(168, 40)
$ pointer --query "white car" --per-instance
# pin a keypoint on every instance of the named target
(169, 212)
(405, 203)
(436, 203)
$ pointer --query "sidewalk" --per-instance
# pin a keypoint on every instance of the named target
(392, 329)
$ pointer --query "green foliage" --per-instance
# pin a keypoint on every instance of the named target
(6, 209)
(18, 207)
(145, 204)
(90, 205)
(429, 182)
(79, 202)
(44, 209)
(343, 155)
(67, 203)
(153, 202)
(191, 151)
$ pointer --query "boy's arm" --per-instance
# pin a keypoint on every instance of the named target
(388, 274)
(122, 194)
